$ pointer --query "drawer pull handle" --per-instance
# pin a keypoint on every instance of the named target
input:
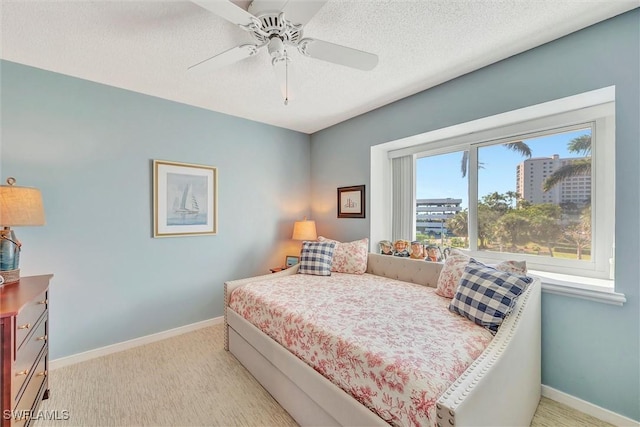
(42, 338)
(44, 301)
(25, 326)
(25, 372)
(41, 374)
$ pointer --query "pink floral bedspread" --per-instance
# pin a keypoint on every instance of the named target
(392, 345)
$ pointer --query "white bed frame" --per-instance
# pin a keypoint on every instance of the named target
(500, 388)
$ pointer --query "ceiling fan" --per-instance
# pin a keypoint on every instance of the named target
(278, 26)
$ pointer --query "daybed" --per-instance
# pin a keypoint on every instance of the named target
(500, 387)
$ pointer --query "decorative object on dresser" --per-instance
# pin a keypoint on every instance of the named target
(351, 202)
(24, 353)
(185, 199)
(19, 206)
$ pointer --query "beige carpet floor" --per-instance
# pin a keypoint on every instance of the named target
(189, 380)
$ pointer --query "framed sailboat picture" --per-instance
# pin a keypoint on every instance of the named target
(351, 202)
(185, 199)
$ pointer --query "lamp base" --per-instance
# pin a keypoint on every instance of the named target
(9, 276)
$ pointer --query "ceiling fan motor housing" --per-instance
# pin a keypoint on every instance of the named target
(275, 24)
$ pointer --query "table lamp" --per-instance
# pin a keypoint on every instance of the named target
(304, 230)
(19, 206)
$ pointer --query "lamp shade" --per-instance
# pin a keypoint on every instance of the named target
(20, 205)
(304, 230)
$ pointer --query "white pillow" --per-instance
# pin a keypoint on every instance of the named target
(349, 257)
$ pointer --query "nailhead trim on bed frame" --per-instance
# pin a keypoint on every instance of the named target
(226, 330)
(446, 414)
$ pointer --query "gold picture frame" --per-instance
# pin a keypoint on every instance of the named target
(185, 199)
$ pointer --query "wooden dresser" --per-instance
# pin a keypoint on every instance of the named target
(24, 327)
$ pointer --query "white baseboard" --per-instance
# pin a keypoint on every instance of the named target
(125, 345)
(588, 408)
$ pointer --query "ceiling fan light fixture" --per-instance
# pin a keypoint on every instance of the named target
(276, 47)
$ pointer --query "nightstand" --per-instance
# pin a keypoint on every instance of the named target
(276, 269)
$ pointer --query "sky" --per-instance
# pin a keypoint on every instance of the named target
(440, 176)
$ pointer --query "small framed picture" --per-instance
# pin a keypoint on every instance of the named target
(291, 260)
(185, 199)
(351, 202)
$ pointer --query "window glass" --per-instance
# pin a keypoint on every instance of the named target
(442, 200)
(544, 212)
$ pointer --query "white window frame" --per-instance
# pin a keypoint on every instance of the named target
(591, 280)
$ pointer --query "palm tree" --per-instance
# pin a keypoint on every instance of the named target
(517, 146)
(580, 145)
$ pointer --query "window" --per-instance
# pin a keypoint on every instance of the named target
(502, 217)
(510, 216)
(562, 232)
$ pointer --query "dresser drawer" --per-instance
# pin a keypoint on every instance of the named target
(31, 392)
(27, 356)
(28, 317)
(24, 322)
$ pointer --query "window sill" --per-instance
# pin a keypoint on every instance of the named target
(598, 290)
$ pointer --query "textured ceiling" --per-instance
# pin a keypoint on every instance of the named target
(147, 46)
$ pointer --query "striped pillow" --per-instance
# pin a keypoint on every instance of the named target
(316, 258)
(486, 295)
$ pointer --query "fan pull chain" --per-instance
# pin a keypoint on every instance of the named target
(286, 78)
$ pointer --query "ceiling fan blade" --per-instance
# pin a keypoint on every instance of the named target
(338, 54)
(225, 58)
(301, 11)
(296, 11)
(258, 7)
(227, 10)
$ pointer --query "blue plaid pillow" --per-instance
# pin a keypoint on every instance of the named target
(486, 295)
(316, 258)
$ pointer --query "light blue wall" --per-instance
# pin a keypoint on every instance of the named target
(590, 350)
(89, 147)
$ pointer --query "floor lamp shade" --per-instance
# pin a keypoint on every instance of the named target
(304, 230)
(19, 206)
